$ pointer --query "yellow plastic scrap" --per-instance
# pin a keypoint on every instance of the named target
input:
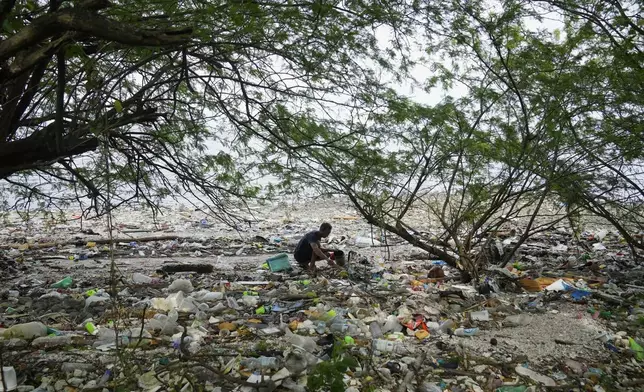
(422, 334)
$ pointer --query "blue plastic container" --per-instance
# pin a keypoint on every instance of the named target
(279, 263)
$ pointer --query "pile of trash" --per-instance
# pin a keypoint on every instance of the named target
(555, 318)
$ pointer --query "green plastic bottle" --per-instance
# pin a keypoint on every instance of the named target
(63, 284)
(639, 351)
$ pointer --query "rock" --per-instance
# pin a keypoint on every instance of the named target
(436, 272)
(52, 341)
(44, 382)
(75, 381)
(574, 366)
(79, 373)
(60, 385)
(73, 367)
(96, 300)
(14, 343)
(281, 374)
(90, 385)
(480, 368)
(26, 331)
(25, 388)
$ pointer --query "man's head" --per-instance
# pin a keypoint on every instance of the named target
(325, 229)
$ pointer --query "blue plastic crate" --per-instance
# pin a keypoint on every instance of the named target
(279, 263)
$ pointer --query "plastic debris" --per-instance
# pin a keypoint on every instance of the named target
(540, 378)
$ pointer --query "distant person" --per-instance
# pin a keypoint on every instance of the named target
(309, 250)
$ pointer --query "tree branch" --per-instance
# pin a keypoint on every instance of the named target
(82, 21)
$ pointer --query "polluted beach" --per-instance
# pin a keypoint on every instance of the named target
(379, 320)
(323, 196)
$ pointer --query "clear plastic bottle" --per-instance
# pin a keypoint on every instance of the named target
(320, 327)
(261, 363)
(447, 326)
(388, 346)
(375, 330)
(466, 331)
(339, 327)
(9, 377)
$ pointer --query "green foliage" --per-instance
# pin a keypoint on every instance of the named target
(211, 76)
(329, 375)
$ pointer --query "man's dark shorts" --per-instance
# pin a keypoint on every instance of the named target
(301, 262)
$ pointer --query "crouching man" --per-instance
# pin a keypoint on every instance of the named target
(309, 250)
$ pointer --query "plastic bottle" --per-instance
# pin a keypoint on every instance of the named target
(63, 284)
(375, 330)
(466, 331)
(639, 351)
(320, 327)
(91, 328)
(9, 377)
(232, 303)
(261, 363)
(447, 326)
(304, 342)
(388, 346)
(517, 320)
(339, 327)
(213, 296)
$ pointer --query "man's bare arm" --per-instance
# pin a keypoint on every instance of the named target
(318, 251)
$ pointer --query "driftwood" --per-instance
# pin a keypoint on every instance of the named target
(198, 268)
(608, 298)
(82, 242)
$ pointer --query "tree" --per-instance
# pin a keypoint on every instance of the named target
(509, 149)
(602, 109)
(148, 84)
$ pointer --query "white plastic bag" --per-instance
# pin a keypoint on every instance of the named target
(181, 285)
